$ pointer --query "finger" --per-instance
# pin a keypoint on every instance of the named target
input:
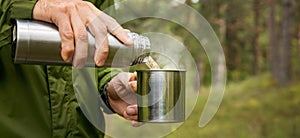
(101, 52)
(67, 38)
(131, 112)
(81, 40)
(113, 26)
(133, 86)
(133, 76)
(128, 117)
(87, 15)
(124, 77)
(136, 123)
(99, 30)
(121, 34)
(115, 29)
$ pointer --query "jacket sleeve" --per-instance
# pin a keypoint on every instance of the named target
(12, 9)
(104, 76)
(18, 8)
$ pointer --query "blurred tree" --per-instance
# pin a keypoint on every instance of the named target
(256, 49)
(248, 31)
(284, 62)
(273, 38)
(298, 22)
(299, 40)
(236, 36)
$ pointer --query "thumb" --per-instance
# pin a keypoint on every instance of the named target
(133, 86)
(133, 76)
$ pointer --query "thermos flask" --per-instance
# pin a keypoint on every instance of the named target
(37, 42)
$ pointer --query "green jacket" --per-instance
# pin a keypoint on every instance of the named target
(38, 101)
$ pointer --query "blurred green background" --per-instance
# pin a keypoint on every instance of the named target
(261, 41)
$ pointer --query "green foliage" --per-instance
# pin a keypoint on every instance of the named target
(252, 106)
(233, 22)
(255, 107)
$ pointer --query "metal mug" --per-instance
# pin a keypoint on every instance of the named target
(161, 95)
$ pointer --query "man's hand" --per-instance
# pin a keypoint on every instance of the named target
(72, 17)
(122, 96)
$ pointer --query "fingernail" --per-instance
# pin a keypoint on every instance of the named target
(99, 62)
(134, 124)
(67, 58)
(79, 66)
(130, 111)
(129, 40)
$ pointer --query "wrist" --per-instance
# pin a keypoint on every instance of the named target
(106, 100)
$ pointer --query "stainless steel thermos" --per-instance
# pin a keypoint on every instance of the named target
(37, 42)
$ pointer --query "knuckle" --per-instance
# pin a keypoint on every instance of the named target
(105, 50)
(82, 34)
(67, 35)
(61, 8)
(109, 19)
(103, 30)
(82, 3)
(65, 7)
(70, 6)
(112, 20)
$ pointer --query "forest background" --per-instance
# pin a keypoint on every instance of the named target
(261, 42)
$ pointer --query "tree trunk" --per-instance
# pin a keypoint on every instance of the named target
(298, 31)
(233, 49)
(299, 41)
(298, 38)
(255, 43)
(273, 47)
(284, 65)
